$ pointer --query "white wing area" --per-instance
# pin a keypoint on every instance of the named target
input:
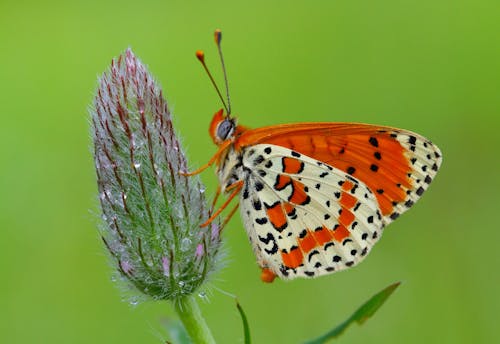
(305, 218)
(425, 159)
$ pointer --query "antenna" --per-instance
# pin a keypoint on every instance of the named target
(201, 57)
(218, 39)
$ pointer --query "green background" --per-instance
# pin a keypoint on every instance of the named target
(431, 66)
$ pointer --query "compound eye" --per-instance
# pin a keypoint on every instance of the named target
(225, 129)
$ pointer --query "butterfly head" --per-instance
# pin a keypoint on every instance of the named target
(222, 127)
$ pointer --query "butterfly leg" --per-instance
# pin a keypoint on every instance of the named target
(210, 162)
(230, 215)
(216, 197)
(237, 188)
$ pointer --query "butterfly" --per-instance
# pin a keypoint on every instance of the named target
(316, 197)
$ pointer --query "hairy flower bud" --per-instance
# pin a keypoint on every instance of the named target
(151, 214)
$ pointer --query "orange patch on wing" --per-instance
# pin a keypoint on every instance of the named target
(298, 196)
(292, 166)
(292, 259)
(323, 235)
(308, 242)
(340, 233)
(385, 204)
(347, 186)
(276, 216)
(282, 181)
(346, 217)
(347, 200)
(288, 208)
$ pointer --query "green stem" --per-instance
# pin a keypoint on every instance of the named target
(193, 321)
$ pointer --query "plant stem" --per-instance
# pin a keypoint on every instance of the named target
(193, 321)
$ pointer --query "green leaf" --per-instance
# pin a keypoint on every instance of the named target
(246, 328)
(360, 315)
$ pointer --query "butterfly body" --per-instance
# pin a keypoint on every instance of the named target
(315, 197)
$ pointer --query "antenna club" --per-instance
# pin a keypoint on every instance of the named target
(200, 55)
(218, 36)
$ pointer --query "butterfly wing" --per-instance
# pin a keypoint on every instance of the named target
(395, 164)
(305, 218)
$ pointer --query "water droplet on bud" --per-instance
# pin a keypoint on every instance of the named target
(185, 244)
(133, 301)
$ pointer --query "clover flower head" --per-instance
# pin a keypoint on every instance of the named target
(151, 213)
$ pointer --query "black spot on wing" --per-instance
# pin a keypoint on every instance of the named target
(284, 270)
(394, 216)
(346, 241)
(312, 254)
(257, 205)
(266, 240)
(328, 245)
(409, 203)
(258, 186)
(373, 141)
(261, 221)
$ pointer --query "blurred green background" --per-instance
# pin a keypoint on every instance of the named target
(430, 66)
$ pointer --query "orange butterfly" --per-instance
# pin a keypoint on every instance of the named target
(315, 197)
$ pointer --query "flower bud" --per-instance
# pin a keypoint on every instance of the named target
(151, 213)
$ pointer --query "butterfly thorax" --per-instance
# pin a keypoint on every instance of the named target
(230, 168)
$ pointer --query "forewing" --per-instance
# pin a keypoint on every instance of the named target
(305, 218)
(397, 165)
